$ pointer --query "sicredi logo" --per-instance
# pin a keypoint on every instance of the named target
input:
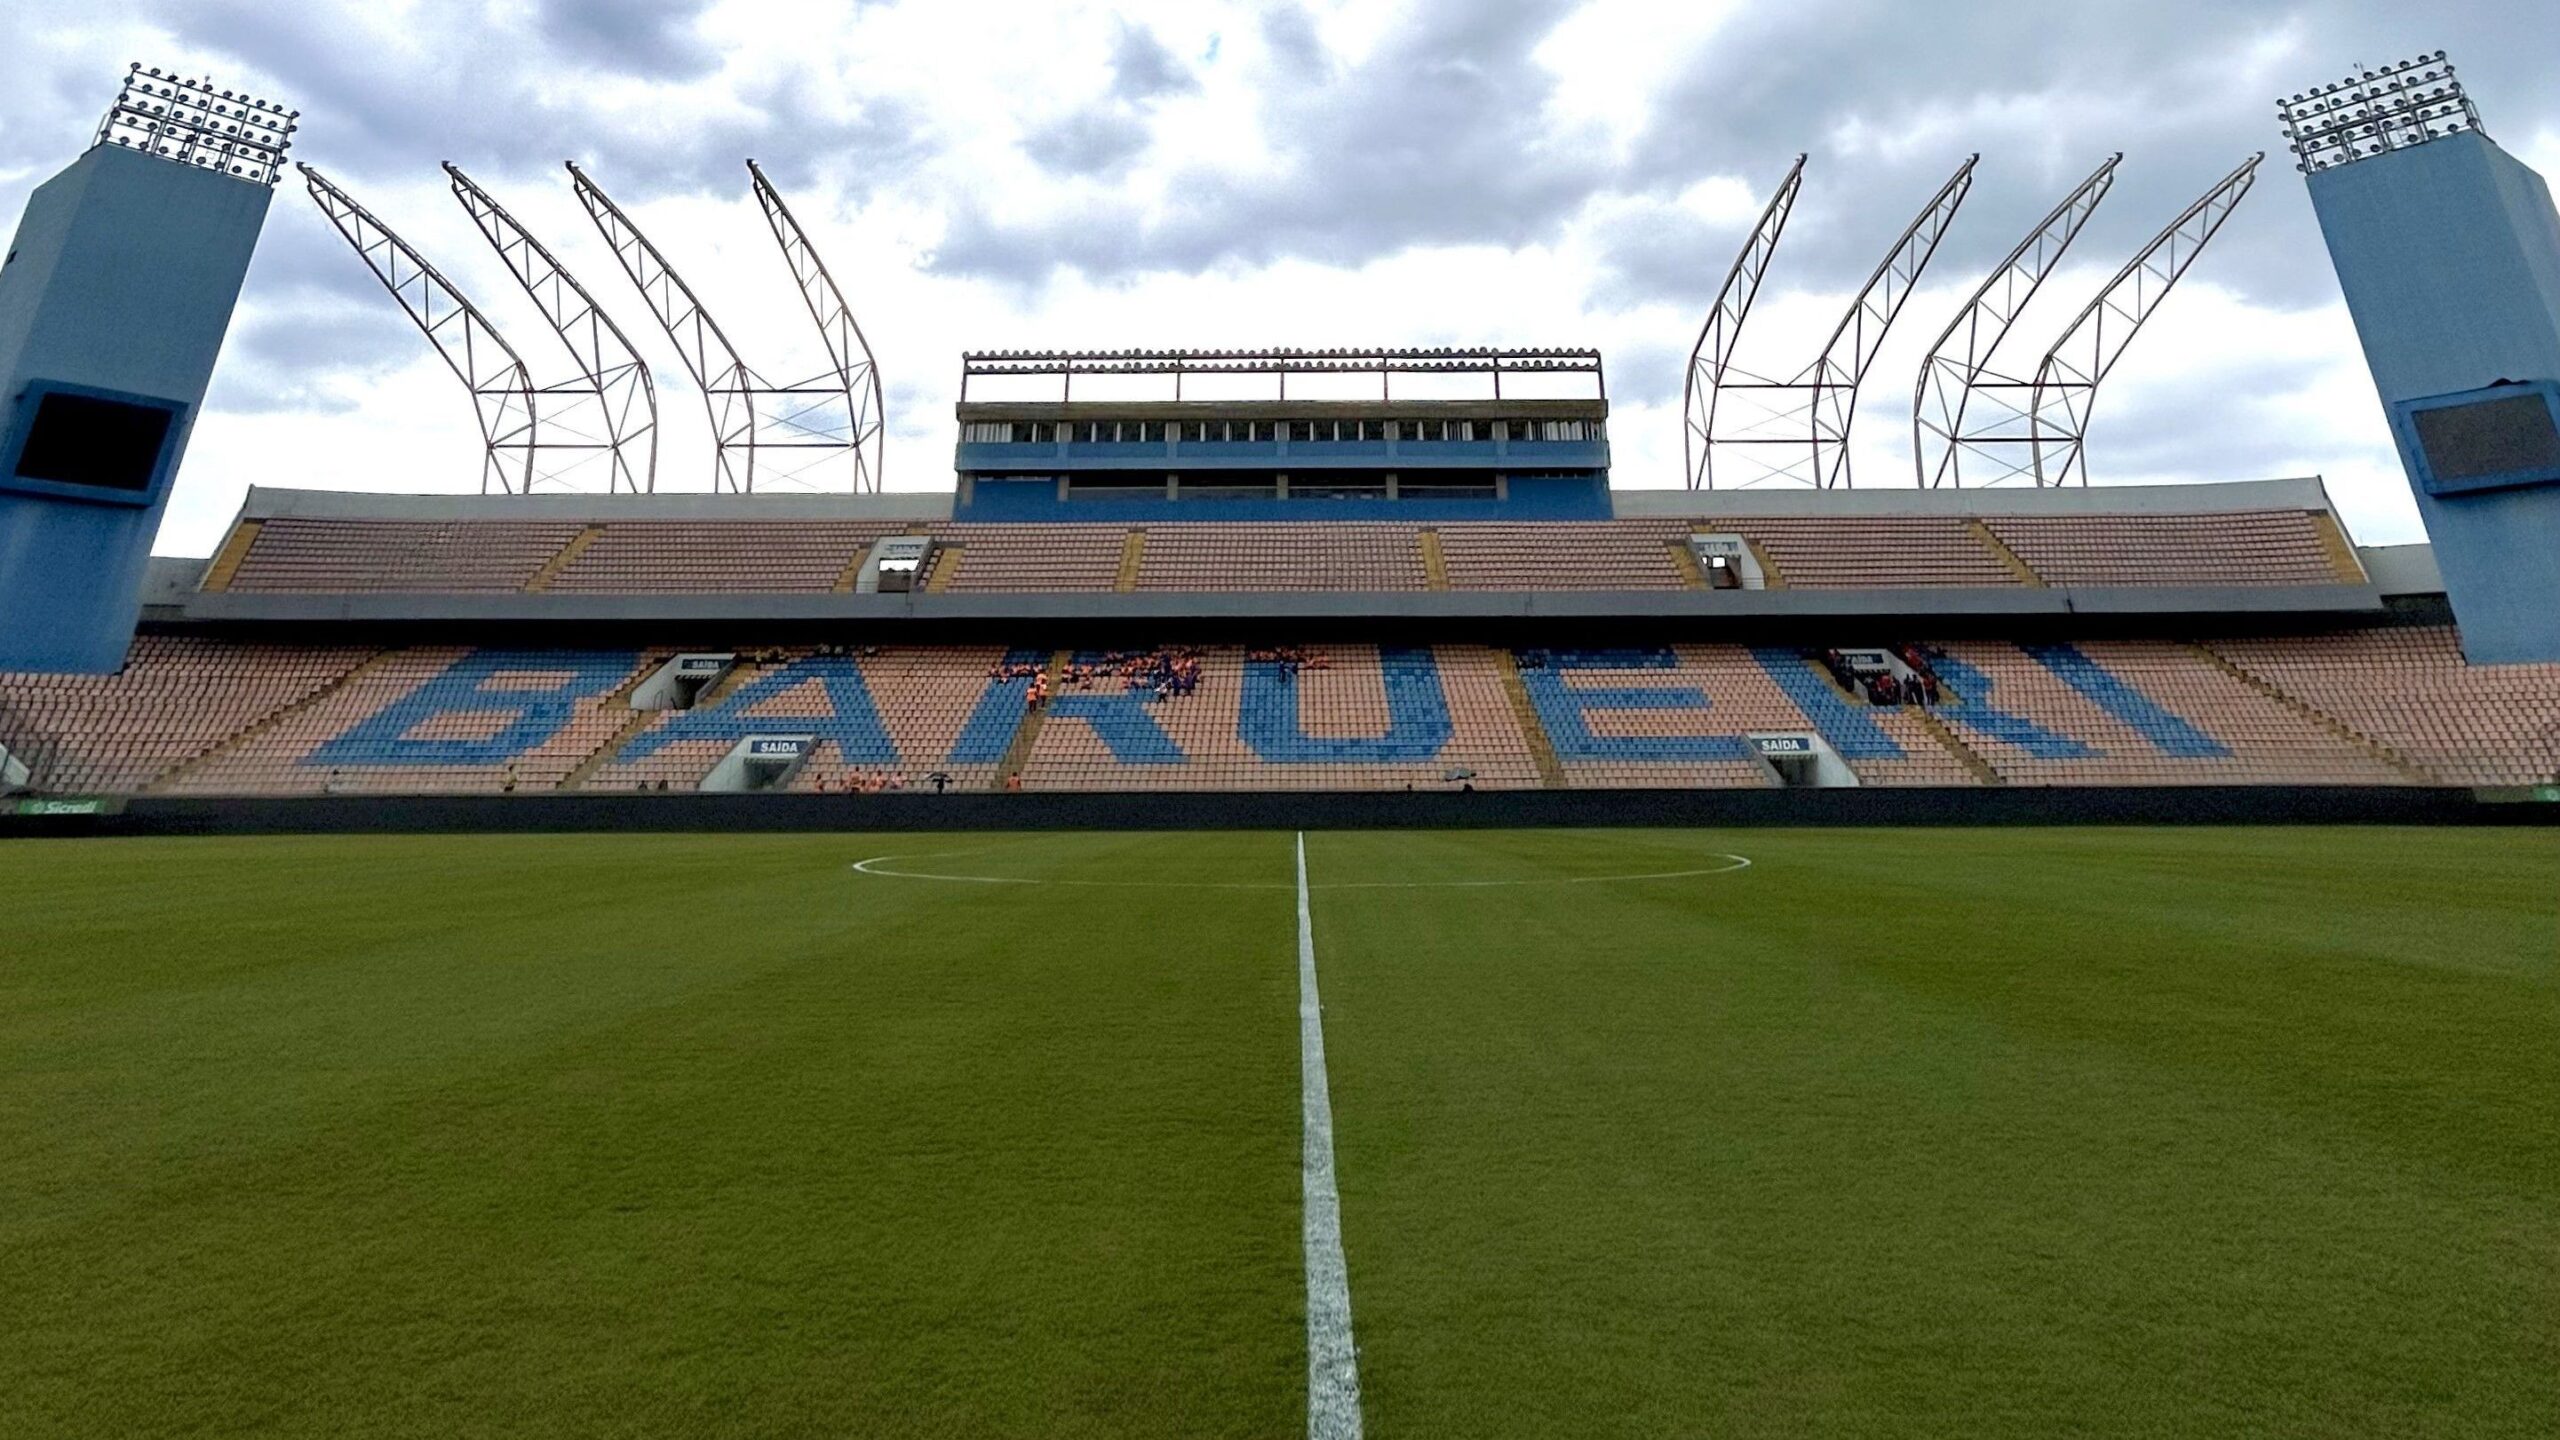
(62, 807)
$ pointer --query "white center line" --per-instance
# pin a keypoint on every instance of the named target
(1333, 1364)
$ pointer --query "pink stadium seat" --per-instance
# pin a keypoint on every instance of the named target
(1031, 557)
(176, 699)
(280, 759)
(2262, 740)
(1847, 552)
(2408, 691)
(1282, 557)
(400, 555)
(2374, 706)
(1592, 555)
(2265, 547)
(1813, 552)
(670, 556)
(1344, 699)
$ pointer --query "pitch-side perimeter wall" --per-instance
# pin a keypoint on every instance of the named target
(1277, 810)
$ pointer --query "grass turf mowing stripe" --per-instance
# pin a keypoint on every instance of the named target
(1333, 1365)
(2101, 1132)
(487, 1136)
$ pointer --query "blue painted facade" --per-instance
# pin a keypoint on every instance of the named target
(119, 287)
(1061, 475)
(2449, 256)
(990, 498)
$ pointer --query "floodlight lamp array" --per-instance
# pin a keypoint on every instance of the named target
(2374, 112)
(191, 122)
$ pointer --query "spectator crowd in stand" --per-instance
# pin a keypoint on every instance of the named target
(1162, 673)
(1882, 685)
(1290, 658)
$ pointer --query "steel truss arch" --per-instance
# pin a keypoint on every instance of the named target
(502, 391)
(762, 433)
(856, 370)
(2066, 384)
(728, 387)
(1807, 418)
(1835, 381)
(1961, 358)
(1712, 356)
(617, 384)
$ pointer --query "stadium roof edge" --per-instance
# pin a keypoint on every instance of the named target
(2000, 609)
(266, 502)
(2398, 570)
(2306, 492)
(2298, 493)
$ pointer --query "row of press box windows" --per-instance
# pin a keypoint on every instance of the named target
(1264, 432)
(1466, 485)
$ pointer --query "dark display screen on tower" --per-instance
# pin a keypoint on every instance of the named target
(101, 443)
(2511, 437)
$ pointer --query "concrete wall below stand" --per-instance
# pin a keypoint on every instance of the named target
(1274, 810)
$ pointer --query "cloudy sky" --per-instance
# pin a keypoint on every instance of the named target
(1296, 173)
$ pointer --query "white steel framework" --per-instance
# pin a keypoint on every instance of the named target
(2037, 430)
(764, 435)
(1796, 431)
(617, 403)
(1942, 400)
(866, 411)
(2067, 382)
(502, 392)
(1712, 356)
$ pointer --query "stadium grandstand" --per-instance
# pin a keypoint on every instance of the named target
(1321, 570)
(349, 643)
(1326, 594)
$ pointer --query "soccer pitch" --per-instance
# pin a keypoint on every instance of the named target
(2013, 1132)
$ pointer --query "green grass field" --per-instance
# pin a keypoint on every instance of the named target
(1993, 1133)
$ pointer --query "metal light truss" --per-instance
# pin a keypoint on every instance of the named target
(2066, 384)
(1283, 362)
(2036, 429)
(192, 123)
(1712, 356)
(2376, 112)
(866, 412)
(1961, 358)
(1804, 421)
(728, 387)
(502, 393)
(762, 433)
(618, 393)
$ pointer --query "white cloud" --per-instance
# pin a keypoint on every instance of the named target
(1221, 173)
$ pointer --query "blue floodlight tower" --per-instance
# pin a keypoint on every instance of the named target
(114, 297)
(2448, 250)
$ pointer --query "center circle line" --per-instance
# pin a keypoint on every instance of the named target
(874, 867)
